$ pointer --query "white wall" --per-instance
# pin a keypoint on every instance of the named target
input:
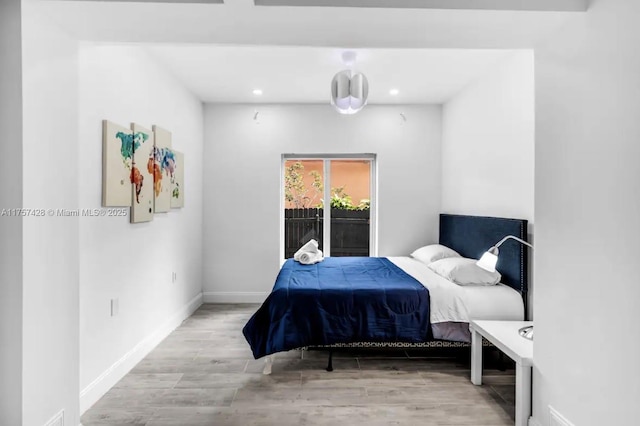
(133, 262)
(488, 134)
(587, 209)
(488, 143)
(50, 244)
(242, 185)
(10, 227)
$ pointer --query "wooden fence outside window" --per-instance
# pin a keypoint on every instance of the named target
(349, 230)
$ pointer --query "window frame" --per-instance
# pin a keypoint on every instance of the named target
(326, 233)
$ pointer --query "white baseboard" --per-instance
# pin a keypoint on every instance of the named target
(101, 385)
(533, 422)
(234, 297)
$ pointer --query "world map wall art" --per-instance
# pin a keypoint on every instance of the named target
(140, 170)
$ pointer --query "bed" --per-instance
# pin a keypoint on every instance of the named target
(393, 301)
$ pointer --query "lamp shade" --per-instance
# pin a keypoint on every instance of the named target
(349, 92)
(488, 261)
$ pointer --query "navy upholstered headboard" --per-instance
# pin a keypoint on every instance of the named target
(471, 236)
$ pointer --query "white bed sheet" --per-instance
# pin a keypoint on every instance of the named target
(452, 302)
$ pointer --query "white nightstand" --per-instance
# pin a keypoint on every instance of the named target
(504, 335)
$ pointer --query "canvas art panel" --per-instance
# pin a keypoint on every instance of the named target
(177, 192)
(163, 170)
(142, 175)
(117, 159)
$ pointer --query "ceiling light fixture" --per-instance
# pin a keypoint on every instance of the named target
(394, 92)
(349, 89)
(257, 92)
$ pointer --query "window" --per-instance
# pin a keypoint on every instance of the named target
(347, 185)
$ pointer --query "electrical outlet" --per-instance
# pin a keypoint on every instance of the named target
(115, 307)
(556, 419)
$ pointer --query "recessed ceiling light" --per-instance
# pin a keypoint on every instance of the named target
(394, 92)
(257, 92)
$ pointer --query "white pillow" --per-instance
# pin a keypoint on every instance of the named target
(463, 271)
(433, 252)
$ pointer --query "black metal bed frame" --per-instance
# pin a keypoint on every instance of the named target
(395, 345)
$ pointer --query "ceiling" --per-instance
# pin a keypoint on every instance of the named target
(241, 22)
(303, 74)
(549, 5)
(223, 51)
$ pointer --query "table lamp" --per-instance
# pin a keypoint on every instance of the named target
(488, 262)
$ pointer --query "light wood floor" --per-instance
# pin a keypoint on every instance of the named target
(204, 374)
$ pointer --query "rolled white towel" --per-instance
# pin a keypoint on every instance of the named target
(307, 258)
(310, 247)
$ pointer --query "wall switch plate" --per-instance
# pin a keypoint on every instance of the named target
(556, 419)
(174, 277)
(115, 307)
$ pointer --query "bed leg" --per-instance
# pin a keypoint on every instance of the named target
(330, 365)
(268, 362)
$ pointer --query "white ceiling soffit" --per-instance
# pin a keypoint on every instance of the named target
(524, 5)
(225, 74)
(241, 22)
(163, 1)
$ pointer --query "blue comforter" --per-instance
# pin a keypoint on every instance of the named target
(340, 300)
